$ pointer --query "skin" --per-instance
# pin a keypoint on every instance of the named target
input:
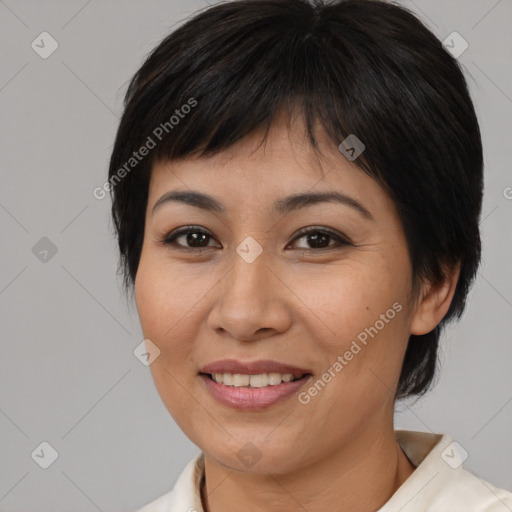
(294, 305)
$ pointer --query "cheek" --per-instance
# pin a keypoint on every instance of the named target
(364, 321)
(165, 308)
(168, 301)
(349, 300)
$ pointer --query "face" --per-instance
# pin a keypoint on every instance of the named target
(320, 289)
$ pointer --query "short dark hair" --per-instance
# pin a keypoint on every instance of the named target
(363, 67)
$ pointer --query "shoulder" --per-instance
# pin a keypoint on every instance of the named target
(161, 504)
(185, 495)
(440, 482)
(468, 490)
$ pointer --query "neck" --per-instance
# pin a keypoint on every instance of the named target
(362, 476)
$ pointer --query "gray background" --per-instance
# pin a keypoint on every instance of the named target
(68, 375)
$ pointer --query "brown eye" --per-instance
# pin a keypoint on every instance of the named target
(318, 239)
(192, 238)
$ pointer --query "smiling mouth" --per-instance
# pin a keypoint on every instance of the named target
(260, 380)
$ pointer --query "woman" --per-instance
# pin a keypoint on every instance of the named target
(296, 193)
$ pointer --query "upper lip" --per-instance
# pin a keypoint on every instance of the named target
(252, 367)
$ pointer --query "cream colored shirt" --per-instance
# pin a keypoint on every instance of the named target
(438, 484)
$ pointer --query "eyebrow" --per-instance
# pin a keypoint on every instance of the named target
(281, 206)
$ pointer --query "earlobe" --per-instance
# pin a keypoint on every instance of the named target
(434, 303)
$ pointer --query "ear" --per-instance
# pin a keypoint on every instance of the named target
(434, 303)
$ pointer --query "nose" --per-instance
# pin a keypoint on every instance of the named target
(250, 302)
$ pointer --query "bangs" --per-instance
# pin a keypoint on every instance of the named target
(238, 76)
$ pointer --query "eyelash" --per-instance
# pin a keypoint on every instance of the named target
(170, 239)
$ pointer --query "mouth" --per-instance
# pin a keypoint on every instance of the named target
(253, 368)
(253, 385)
(259, 380)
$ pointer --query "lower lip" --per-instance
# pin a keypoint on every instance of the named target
(247, 398)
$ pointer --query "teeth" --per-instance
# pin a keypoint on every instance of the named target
(240, 380)
(274, 378)
(254, 381)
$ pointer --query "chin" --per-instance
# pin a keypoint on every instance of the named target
(255, 455)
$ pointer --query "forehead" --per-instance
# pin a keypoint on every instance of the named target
(283, 152)
(258, 170)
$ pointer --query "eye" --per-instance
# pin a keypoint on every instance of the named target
(319, 238)
(196, 237)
